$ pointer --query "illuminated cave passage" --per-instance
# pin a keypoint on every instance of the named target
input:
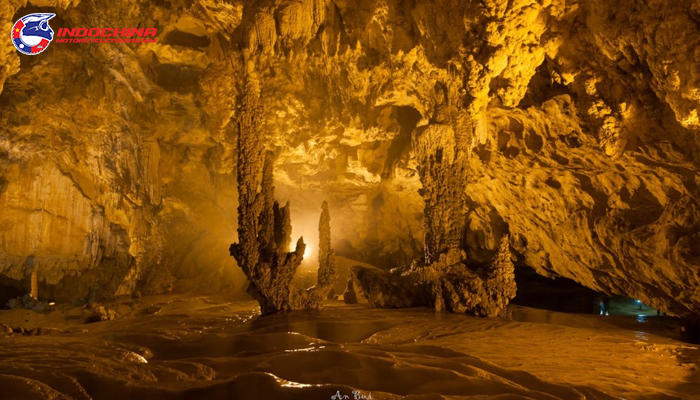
(474, 182)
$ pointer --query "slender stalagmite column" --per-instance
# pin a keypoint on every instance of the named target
(34, 284)
(326, 255)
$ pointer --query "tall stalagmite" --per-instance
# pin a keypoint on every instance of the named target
(326, 255)
(442, 279)
(264, 228)
(500, 278)
(442, 174)
(452, 285)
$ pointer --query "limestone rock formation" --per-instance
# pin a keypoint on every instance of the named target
(264, 228)
(326, 255)
(349, 295)
(99, 313)
(443, 280)
(441, 167)
(446, 284)
(575, 124)
(389, 289)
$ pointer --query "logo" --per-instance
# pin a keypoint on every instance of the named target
(106, 35)
(32, 34)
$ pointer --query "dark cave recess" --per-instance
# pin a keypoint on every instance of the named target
(560, 294)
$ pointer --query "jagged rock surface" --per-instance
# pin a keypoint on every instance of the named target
(389, 289)
(264, 228)
(444, 282)
(447, 284)
(116, 161)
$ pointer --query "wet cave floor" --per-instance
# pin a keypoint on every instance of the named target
(189, 347)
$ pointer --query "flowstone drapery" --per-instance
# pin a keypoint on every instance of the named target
(264, 228)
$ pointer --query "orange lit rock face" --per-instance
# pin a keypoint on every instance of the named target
(117, 162)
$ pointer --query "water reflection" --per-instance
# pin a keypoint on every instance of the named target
(306, 349)
(286, 383)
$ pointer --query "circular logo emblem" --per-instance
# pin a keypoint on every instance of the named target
(32, 34)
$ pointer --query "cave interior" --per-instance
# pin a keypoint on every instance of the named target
(351, 199)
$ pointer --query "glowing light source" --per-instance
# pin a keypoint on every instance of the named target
(308, 252)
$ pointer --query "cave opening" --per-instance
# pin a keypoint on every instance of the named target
(566, 295)
(558, 294)
(10, 289)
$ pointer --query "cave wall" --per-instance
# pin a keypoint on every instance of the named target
(117, 161)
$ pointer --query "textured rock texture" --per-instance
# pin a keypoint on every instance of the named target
(575, 123)
(327, 274)
(446, 284)
(264, 228)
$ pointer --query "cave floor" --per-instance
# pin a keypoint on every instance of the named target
(217, 348)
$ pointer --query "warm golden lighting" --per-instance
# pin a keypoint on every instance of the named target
(308, 253)
(349, 199)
